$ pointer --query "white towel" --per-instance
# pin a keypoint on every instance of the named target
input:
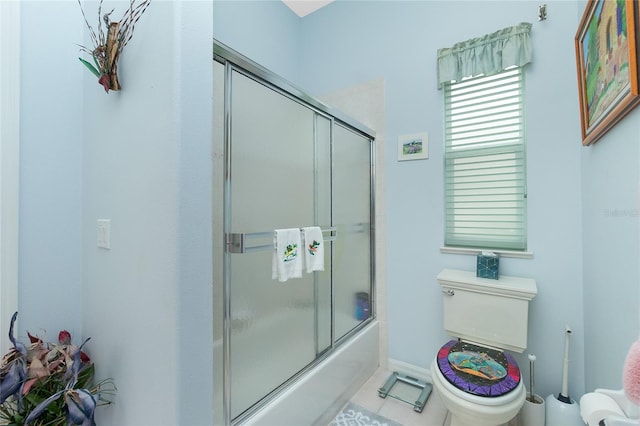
(287, 258)
(313, 249)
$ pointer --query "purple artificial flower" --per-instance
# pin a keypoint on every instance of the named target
(81, 406)
(14, 369)
(11, 380)
(81, 403)
(77, 365)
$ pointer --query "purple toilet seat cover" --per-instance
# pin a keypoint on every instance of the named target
(478, 370)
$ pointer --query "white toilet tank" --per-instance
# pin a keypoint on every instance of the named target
(485, 311)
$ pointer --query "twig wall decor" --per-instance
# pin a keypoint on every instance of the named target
(107, 48)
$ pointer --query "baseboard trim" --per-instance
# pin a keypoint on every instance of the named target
(409, 369)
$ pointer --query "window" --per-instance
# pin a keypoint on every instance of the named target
(485, 182)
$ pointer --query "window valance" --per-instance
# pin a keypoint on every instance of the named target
(485, 55)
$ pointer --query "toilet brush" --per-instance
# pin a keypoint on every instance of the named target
(532, 359)
(533, 410)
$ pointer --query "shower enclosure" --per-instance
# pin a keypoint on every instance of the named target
(283, 159)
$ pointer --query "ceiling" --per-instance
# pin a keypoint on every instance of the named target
(304, 7)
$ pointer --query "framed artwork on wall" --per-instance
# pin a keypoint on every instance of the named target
(413, 147)
(607, 64)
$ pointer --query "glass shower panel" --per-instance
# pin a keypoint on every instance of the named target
(273, 171)
(352, 218)
(218, 248)
(323, 214)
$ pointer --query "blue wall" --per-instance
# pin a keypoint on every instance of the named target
(142, 158)
(265, 31)
(50, 258)
(611, 249)
(399, 41)
(569, 186)
(148, 300)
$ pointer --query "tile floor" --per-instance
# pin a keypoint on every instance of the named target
(433, 414)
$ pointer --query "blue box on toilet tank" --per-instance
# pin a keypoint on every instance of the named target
(487, 266)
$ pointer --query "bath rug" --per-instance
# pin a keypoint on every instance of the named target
(354, 415)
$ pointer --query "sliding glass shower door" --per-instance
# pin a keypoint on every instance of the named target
(283, 159)
(352, 220)
(279, 177)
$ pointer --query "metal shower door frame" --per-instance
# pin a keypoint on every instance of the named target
(233, 61)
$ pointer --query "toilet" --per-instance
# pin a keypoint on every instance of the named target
(474, 374)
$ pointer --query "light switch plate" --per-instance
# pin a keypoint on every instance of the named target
(104, 233)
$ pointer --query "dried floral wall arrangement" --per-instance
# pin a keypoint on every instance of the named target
(108, 47)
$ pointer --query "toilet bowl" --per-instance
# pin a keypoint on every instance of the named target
(473, 401)
(475, 376)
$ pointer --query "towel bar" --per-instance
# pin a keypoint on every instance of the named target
(237, 242)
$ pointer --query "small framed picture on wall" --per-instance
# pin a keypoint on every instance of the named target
(413, 147)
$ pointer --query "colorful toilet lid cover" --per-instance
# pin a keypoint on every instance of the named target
(478, 370)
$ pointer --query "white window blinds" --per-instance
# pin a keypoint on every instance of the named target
(485, 185)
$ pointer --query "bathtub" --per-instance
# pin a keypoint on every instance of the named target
(320, 393)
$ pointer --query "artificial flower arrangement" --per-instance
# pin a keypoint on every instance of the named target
(49, 384)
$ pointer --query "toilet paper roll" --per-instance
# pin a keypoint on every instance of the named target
(596, 406)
